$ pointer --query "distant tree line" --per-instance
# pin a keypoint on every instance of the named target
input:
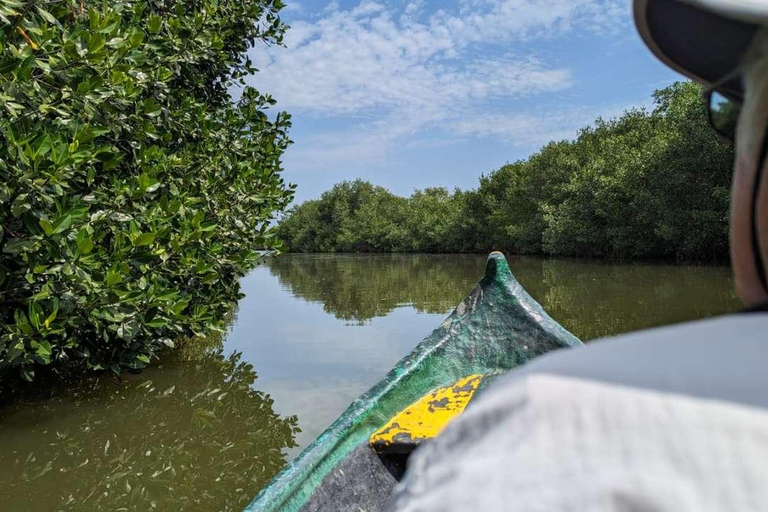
(648, 184)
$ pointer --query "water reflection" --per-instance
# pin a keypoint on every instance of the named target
(180, 436)
(314, 364)
(595, 299)
(361, 287)
(202, 433)
(590, 298)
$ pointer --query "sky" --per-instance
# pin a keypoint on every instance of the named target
(410, 94)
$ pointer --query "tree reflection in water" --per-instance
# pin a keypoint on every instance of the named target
(195, 435)
(181, 436)
(360, 287)
(590, 298)
(594, 299)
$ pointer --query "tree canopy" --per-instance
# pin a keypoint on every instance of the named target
(134, 190)
(648, 184)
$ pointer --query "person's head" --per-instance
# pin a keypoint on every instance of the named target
(723, 44)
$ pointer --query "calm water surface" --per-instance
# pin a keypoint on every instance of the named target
(206, 430)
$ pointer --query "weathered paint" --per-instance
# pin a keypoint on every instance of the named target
(425, 418)
(496, 328)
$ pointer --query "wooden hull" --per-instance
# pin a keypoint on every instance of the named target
(496, 328)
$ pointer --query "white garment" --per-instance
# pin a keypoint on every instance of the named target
(670, 419)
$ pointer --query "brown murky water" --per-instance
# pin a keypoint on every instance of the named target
(207, 431)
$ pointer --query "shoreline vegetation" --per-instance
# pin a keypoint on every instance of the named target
(651, 184)
(134, 188)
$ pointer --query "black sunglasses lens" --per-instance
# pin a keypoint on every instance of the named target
(723, 114)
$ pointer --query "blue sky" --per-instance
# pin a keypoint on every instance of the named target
(418, 93)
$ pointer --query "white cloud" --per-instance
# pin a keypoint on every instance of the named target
(533, 129)
(294, 6)
(332, 6)
(402, 72)
(365, 57)
(372, 141)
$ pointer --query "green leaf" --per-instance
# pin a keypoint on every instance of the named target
(21, 321)
(94, 18)
(41, 146)
(151, 107)
(84, 242)
(144, 239)
(96, 43)
(114, 277)
(127, 330)
(35, 313)
(137, 38)
(42, 348)
(153, 25)
(157, 322)
(47, 16)
(49, 320)
(143, 358)
(105, 156)
(27, 373)
(85, 246)
(167, 295)
(43, 294)
(62, 224)
(165, 74)
(20, 205)
(47, 227)
(116, 42)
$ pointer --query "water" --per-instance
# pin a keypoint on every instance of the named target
(206, 430)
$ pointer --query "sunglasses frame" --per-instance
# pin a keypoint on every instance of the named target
(710, 117)
(719, 87)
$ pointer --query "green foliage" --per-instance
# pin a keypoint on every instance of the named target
(351, 217)
(649, 184)
(133, 190)
(359, 217)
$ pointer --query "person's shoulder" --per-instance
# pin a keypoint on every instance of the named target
(721, 358)
(741, 326)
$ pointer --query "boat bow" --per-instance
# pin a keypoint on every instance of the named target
(497, 327)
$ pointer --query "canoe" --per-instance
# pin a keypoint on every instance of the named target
(356, 462)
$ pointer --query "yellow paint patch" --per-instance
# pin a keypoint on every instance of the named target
(425, 418)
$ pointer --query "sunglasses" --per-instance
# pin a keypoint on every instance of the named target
(724, 103)
(723, 113)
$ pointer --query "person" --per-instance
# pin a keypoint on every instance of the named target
(674, 418)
